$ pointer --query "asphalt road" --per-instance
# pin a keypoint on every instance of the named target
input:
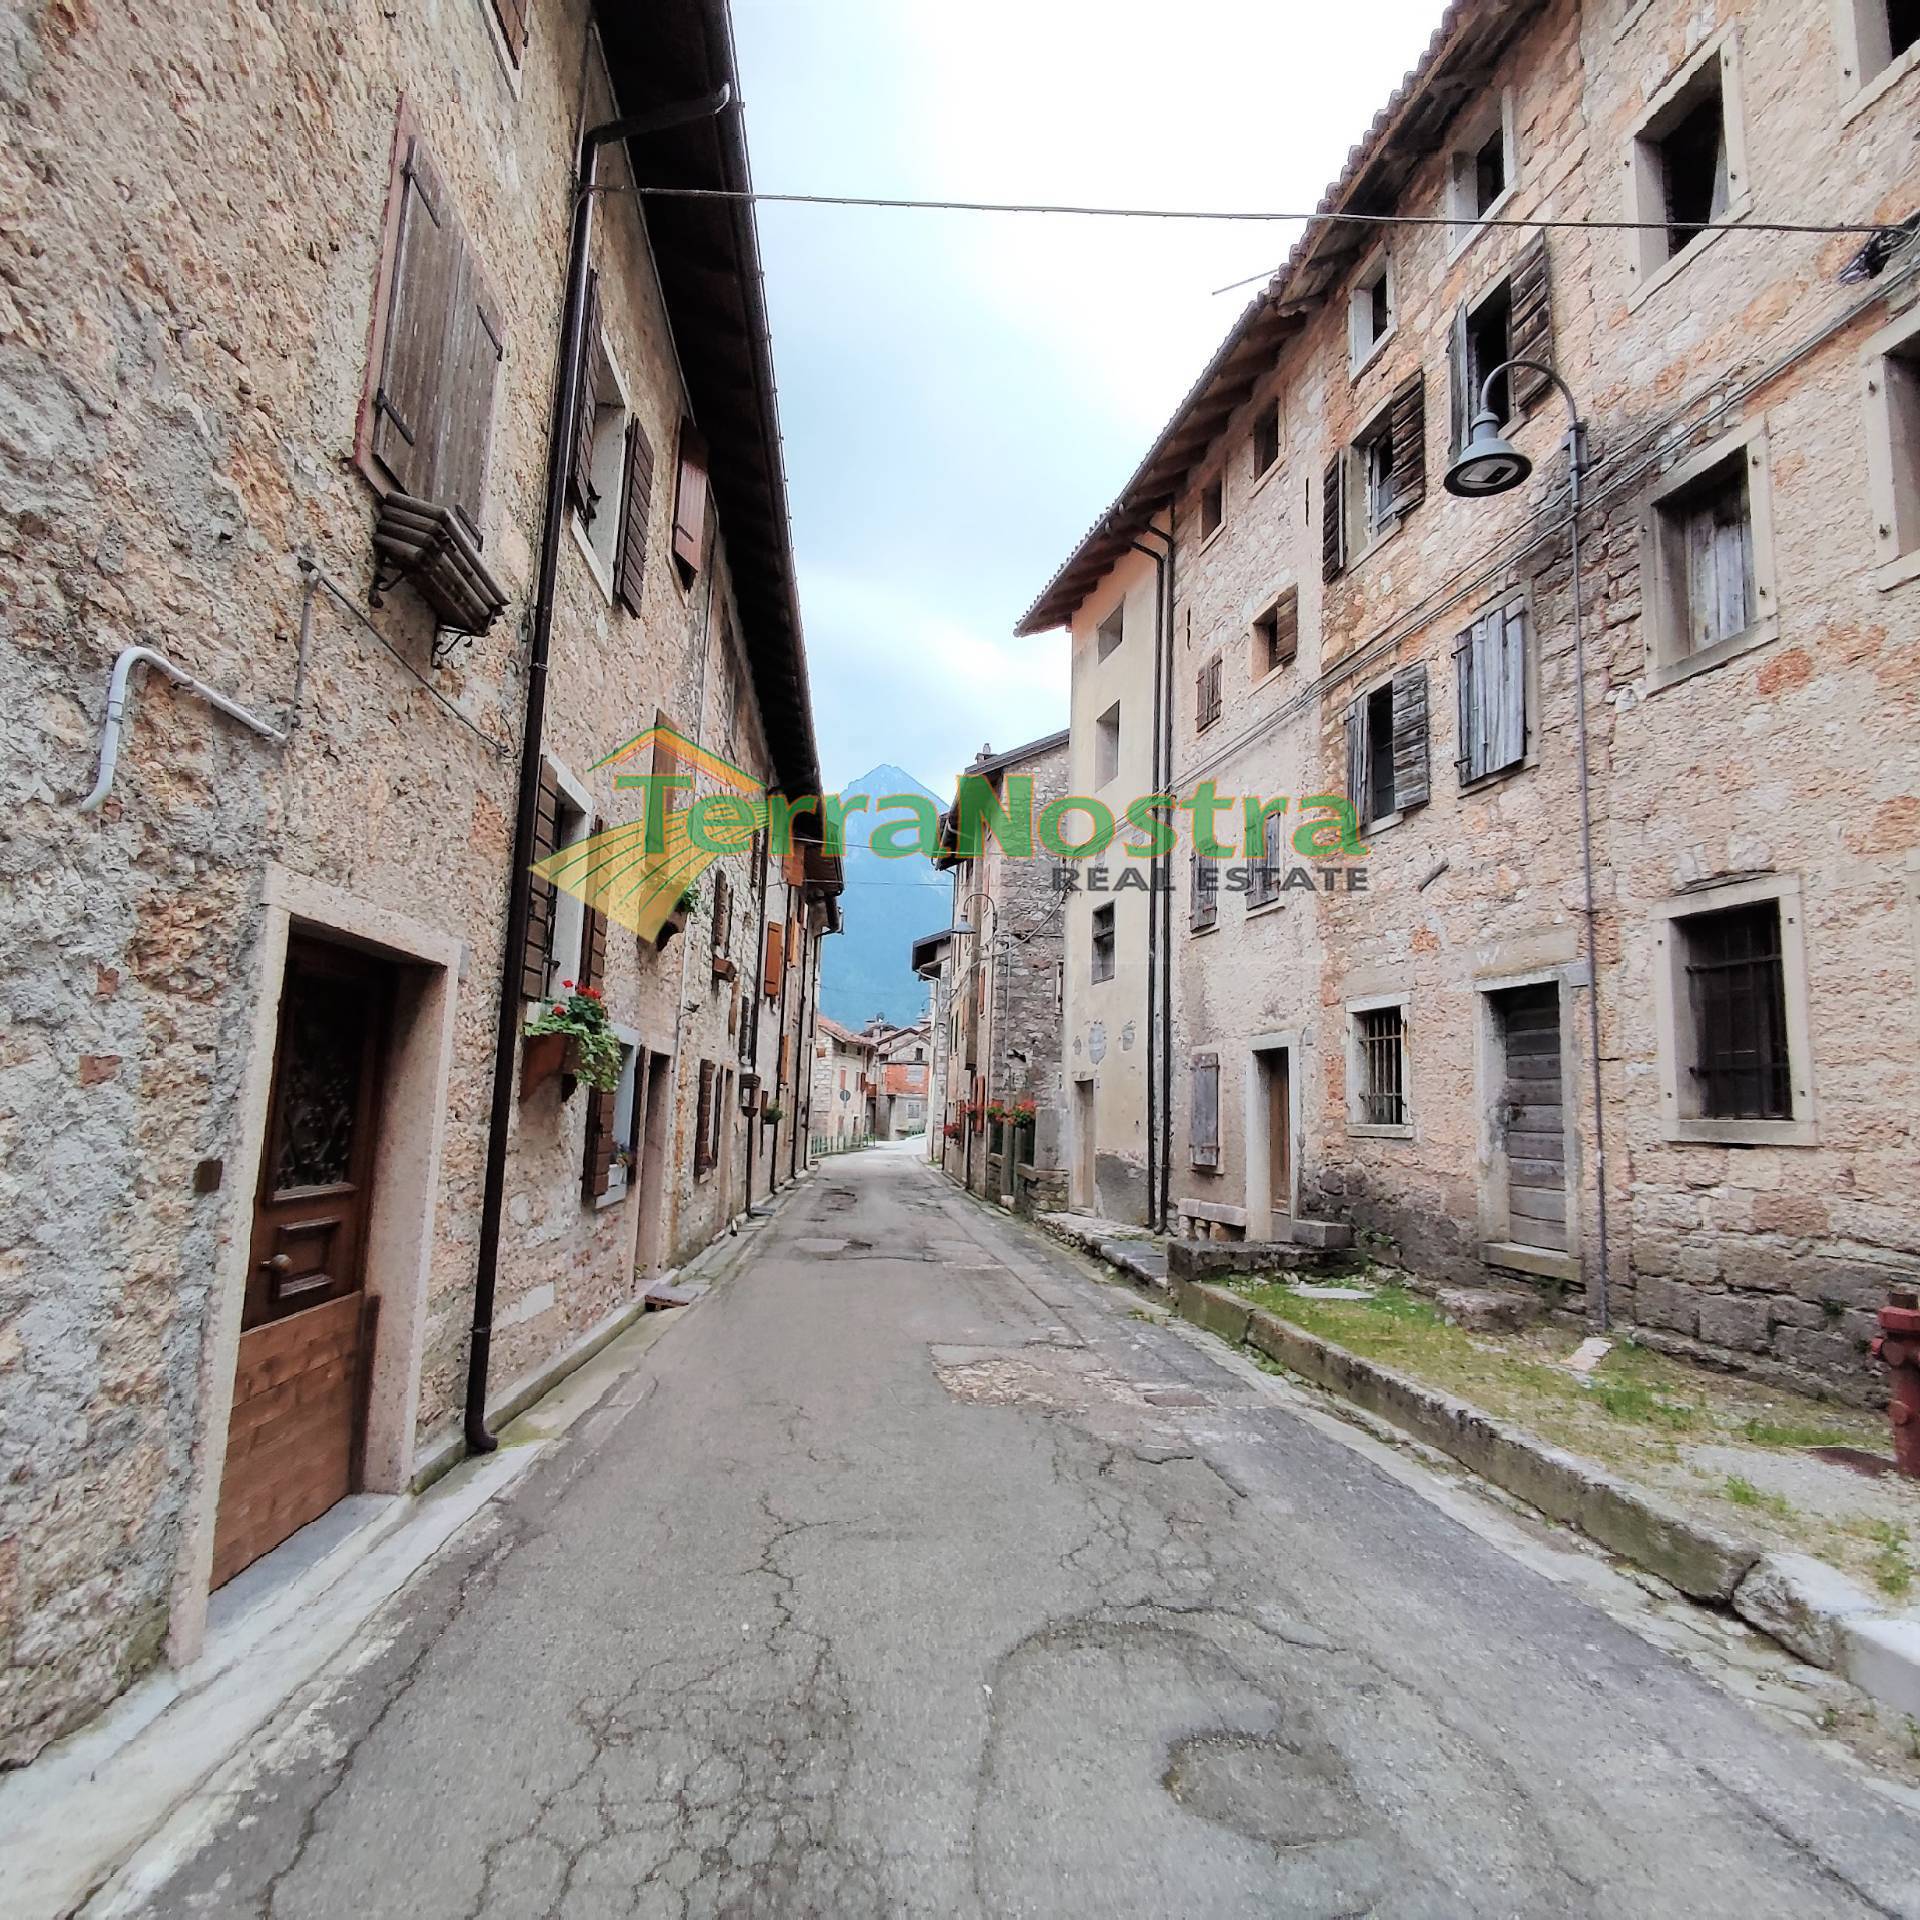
(930, 1578)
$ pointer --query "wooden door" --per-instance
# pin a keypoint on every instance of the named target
(1531, 1117)
(305, 1332)
(1277, 1066)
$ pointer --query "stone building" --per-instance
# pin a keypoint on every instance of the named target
(1002, 963)
(1410, 1049)
(902, 1066)
(845, 1086)
(280, 398)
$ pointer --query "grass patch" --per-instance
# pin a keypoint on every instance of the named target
(1766, 1433)
(1892, 1568)
(1743, 1493)
(1629, 1400)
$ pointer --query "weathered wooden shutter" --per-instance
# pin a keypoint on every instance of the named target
(703, 1120)
(1333, 518)
(1286, 627)
(772, 973)
(593, 948)
(722, 912)
(1275, 850)
(1203, 1126)
(1206, 890)
(1409, 420)
(630, 566)
(690, 500)
(536, 957)
(1463, 402)
(1719, 549)
(580, 472)
(1530, 324)
(1359, 769)
(512, 15)
(476, 346)
(1508, 733)
(596, 1166)
(426, 259)
(1412, 779)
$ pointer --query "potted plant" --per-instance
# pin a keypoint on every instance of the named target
(572, 1034)
(773, 1113)
(676, 921)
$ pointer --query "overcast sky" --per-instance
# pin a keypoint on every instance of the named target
(962, 394)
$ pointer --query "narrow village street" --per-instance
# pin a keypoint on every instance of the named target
(929, 1574)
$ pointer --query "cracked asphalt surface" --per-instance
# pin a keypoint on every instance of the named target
(928, 1578)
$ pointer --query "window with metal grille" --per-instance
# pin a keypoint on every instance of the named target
(1103, 943)
(1383, 1060)
(1206, 891)
(1736, 987)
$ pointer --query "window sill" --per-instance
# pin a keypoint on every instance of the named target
(1361, 1130)
(1273, 673)
(1669, 673)
(1471, 231)
(1896, 573)
(1374, 545)
(1628, 20)
(1212, 926)
(611, 1198)
(511, 71)
(1744, 1133)
(1207, 539)
(1694, 248)
(1266, 907)
(1480, 782)
(1355, 368)
(1882, 82)
(1265, 474)
(1385, 821)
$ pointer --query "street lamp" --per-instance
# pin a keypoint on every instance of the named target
(1490, 464)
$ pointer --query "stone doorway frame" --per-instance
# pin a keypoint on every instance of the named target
(400, 1228)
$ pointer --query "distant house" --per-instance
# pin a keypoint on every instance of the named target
(903, 1057)
(844, 1085)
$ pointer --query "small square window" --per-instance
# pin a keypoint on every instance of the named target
(1111, 631)
(1103, 943)
(1489, 172)
(1875, 35)
(1276, 635)
(1370, 311)
(1213, 508)
(1381, 1036)
(1480, 168)
(1106, 746)
(1693, 170)
(1266, 437)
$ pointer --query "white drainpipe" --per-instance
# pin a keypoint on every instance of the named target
(120, 694)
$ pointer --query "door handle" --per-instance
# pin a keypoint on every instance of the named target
(277, 1263)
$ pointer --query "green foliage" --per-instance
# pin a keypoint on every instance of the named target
(1892, 1570)
(1768, 1433)
(593, 1052)
(1743, 1493)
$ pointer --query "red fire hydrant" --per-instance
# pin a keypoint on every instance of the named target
(1898, 1349)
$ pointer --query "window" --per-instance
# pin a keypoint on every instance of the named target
(1379, 480)
(1708, 547)
(1387, 747)
(690, 491)
(1269, 862)
(598, 472)
(1876, 37)
(1480, 169)
(1203, 1112)
(556, 921)
(1106, 746)
(1893, 447)
(1206, 891)
(1111, 631)
(613, 1136)
(1276, 635)
(1512, 319)
(1103, 942)
(1687, 161)
(512, 15)
(427, 420)
(1266, 437)
(1213, 508)
(1207, 697)
(1490, 668)
(1380, 1060)
(1731, 981)
(1370, 311)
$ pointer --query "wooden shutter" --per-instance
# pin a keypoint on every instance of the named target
(1462, 401)
(1204, 1121)
(1333, 518)
(703, 1121)
(1206, 890)
(1412, 780)
(476, 346)
(636, 495)
(1530, 325)
(596, 1167)
(426, 257)
(776, 960)
(593, 948)
(1286, 627)
(722, 913)
(536, 957)
(690, 500)
(1410, 444)
(512, 15)
(1359, 771)
(580, 472)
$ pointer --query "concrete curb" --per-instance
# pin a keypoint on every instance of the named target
(1143, 1260)
(1810, 1608)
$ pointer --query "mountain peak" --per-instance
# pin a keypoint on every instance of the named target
(885, 779)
